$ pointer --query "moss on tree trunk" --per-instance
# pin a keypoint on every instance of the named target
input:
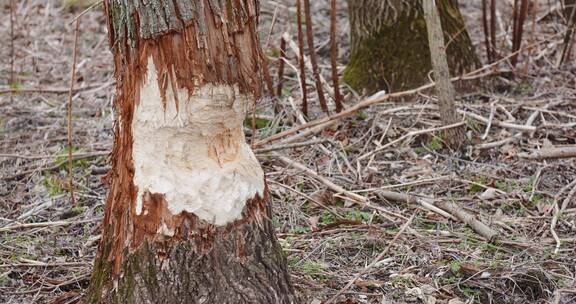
(390, 47)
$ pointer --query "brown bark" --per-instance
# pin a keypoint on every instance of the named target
(192, 44)
(389, 46)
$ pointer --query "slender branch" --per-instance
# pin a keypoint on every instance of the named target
(313, 59)
(334, 57)
(301, 58)
(72, 79)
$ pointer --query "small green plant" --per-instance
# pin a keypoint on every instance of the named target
(327, 218)
(476, 187)
(455, 266)
(359, 216)
(261, 123)
(52, 185)
(315, 270)
(299, 230)
(435, 144)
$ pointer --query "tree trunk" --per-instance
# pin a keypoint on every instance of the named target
(454, 137)
(390, 46)
(187, 219)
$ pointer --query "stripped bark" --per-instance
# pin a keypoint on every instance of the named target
(186, 73)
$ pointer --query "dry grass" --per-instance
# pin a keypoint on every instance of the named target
(47, 245)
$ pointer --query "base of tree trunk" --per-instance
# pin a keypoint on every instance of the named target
(390, 48)
(238, 263)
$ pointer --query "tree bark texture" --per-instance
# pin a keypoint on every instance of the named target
(390, 47)
(183, 53)
(454, 137)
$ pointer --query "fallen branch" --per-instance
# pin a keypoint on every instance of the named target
(47, 224)
(54, 91)
(446, 209)
(546, 153)
(469, 219)
(558, 210)
(370, 101)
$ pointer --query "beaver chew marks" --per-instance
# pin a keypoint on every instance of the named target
(192, 150)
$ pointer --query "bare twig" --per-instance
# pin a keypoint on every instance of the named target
(558, 210)
(334, 57)
(555, 152)
(70, 146)
(313, 59)
(281, 67)
(301, 58)
(12, 50)
(362, 105)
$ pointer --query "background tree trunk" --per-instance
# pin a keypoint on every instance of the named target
(390, 46)
(187, 218)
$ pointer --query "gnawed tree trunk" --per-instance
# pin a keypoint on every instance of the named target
(390, 46)
(187, 218)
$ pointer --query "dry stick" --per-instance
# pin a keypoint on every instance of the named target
(546, 153)
(52, 167)
(334, 57)
(525, 128)
(379, 98)
(486, 31)
(294, 47)
(448, 210)
(72, 78)
(414, 200)
(519, 14)
(569, 34)
(493, 28)
(47, 224)
(454, 137)
(374, 262)
(56, 90)
(410, 134)
(301, 59)
(558, 211)
(290, 146)
(469, 219)
(12, 50)
(351, 196)
(281, 67)
(313, 59)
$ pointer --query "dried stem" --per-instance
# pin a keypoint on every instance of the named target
(313, 59)
(301, 61)
(281, 67)
(12, 51)
(72, 78)
(334, 57)
(486, 31)
(519, 15)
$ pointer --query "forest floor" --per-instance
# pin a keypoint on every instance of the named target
(337, 217)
